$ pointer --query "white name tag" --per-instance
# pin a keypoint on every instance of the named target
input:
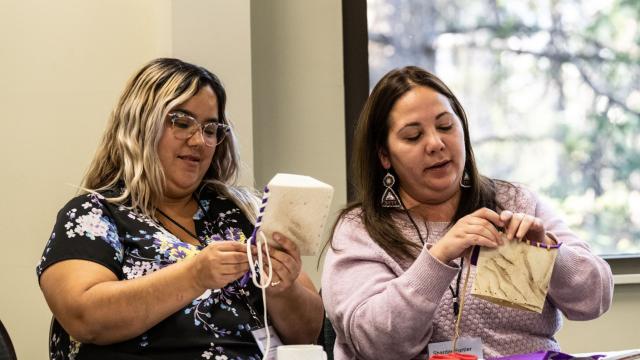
(467, 345)
(261, 338)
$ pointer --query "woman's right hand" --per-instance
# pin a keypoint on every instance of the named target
(477, 228)
(220, 263)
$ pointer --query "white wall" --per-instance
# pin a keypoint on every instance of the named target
(298, 94)
(217, 35)
(615, 330)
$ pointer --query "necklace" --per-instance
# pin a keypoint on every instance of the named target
(456, 293)
(179, 225)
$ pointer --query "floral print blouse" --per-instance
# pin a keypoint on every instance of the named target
(214, 326)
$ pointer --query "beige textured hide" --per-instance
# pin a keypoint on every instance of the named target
(515, 274)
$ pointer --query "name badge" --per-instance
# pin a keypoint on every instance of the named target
(260, 335)
(467, 345)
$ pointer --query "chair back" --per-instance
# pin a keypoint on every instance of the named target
(327, 336)
(7, 352)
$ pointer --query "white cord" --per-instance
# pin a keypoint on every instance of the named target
(260, 240)
(264, 281)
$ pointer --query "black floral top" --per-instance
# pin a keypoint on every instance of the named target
(214, 326)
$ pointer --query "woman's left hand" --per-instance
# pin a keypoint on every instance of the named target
(286, 264)
(520, 226)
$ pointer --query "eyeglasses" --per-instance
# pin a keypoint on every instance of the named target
(184, 126)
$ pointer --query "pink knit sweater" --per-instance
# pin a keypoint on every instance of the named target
(385, 309)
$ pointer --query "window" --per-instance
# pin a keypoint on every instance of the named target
(552, 93)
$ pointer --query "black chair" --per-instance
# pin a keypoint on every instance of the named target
(327, 337)
(7, 352)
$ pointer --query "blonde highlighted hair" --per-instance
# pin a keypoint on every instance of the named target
(127, 156)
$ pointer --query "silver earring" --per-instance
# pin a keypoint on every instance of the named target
(389, 198)
(465, 182)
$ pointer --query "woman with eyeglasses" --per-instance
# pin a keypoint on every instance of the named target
(391, 282)
(146, 263)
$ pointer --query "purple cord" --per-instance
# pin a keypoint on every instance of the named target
(252, 240)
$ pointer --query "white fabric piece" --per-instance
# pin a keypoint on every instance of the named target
(298, 207)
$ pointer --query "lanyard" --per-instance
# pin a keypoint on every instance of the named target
(176, 223)
(179, 225)
(456, 294)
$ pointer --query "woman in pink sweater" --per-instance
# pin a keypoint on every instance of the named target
(391, 280)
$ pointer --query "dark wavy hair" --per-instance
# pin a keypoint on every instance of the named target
(370, 138)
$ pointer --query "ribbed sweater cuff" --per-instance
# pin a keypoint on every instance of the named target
(566, 262)
(430, 277)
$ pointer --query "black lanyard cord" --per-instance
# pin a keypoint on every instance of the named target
(178, 225)
(183, 227)
(456, 294)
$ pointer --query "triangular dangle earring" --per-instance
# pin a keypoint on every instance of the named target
(465, 182)
(389, 198)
